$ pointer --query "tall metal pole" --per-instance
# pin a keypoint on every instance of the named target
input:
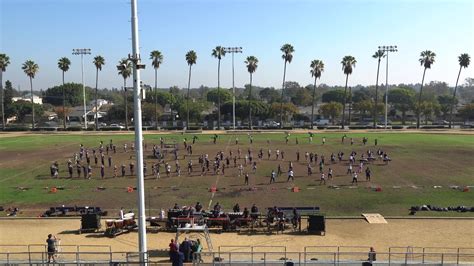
(82, 52)
(387, 50)
(386, 93)
(137, 119)
(233, 50)
(83, 91)
(233, 93)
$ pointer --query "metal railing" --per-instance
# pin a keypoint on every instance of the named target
(227, 255)
(331, 258)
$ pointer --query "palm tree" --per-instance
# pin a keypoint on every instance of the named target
(427, 58)
(4, 62)
(218, 53)
(348, 63)
(157, 59)
(125, 70)
(378, 55)
(99, 61)
(287, 56)
(191, 58)
(317, 67)
(252, 64)
(63, 64)
(464, 61)
(31, 68)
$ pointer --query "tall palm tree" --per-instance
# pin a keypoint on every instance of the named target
(157, 59)
(125, 70)
(287, 56)
(4, 62)
(218, 53)
(63, 64)
(464, 61)
(317, 68)
(348, 63)
(427, 58)
(378, 55)
(252, 64)
(31, 68)
(99, 61)
(191, 59)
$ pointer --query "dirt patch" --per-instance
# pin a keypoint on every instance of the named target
(340, 232)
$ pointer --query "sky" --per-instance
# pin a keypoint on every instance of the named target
(46, 30)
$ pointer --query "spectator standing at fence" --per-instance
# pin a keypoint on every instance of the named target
(372, 255)
(173, 249)
(51, 242)
(197, 250)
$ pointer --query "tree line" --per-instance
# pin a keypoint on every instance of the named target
(363, 101)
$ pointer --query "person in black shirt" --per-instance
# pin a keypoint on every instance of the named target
(236, 208)
(198, 207)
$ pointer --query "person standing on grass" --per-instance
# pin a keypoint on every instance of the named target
(291, 175)
(367, 174)
(254, 167)
(102, 171)
(70, 169)
(329, 173)
(354, 178)
(241, 170)
(132, 168)
(349, 169)
(78, 169)
(110, 161)
(272, 177)
(247, 179)
(86, 172)
(323, 179)
(324, 140)
(310, 170)
(89, 171)
(115, 171)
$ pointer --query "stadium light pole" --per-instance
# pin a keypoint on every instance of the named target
(387, 50)
(233, 50)
(138, 93)
(82, 52)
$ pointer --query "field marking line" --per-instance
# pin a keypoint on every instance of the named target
(218, 175)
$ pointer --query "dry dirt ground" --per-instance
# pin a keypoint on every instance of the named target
(340, 232)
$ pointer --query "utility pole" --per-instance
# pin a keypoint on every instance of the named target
(138, 93)
(82, 52)
(387, 49)
(233, 50)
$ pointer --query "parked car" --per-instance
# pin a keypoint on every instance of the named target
(271, 124)
(321, 122)
(440, 122)
(117, 126)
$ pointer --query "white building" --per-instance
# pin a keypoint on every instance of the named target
(27, 98)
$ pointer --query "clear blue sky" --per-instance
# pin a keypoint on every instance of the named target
(45, 30)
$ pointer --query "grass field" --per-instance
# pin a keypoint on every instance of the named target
(420, 162)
